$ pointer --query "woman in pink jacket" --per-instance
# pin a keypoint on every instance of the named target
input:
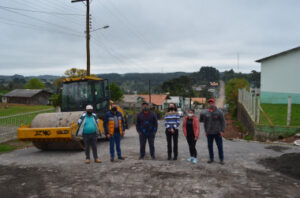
(191, 130)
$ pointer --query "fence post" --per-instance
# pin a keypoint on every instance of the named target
(250, 104)
(289, 111)
(258, 111)
(253, 106)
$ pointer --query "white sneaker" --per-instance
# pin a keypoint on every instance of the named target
(195, 160)
(190, 159)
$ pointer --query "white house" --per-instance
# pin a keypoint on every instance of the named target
(280, 77)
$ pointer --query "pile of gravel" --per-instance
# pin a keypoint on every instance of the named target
(288, 164)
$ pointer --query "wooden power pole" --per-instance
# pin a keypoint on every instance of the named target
(150, 92)
(88, 63)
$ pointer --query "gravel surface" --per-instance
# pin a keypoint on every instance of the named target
(33, 173)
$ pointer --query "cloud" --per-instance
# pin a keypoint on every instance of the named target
(145, 36)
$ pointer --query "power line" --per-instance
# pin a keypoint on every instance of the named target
(46, 5)
(41, 12)
(129, 29)
(37, 19)
(124, 17)
(36, 27)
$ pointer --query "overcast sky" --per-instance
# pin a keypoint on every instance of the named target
(144, 35)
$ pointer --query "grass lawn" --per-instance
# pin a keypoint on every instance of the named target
(6, 148)
(21, 119)
(278, 114)
(13, 145)
(16, 109)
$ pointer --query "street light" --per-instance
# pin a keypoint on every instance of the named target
(104, 27)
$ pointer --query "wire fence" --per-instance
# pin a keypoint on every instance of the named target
(10, 124)
(278, 114)
(251, 103)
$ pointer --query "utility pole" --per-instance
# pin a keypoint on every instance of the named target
(88, 63)
(150, 92)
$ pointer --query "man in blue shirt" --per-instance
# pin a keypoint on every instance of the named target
(88, 128)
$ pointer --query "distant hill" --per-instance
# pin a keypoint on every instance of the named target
(140, 81)
(129, 83)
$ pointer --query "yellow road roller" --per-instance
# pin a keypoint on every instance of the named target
(57, 131)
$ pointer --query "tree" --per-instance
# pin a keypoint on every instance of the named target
(58, 83)
(205, 75)
(56, 99)
(74, 72)
(204, 93)
(254, 78)
(115, 92)
(231, 92)
(181, 86)
(34, 83)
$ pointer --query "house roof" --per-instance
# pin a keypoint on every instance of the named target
(156, 99)
(199, 100)
(24, 93)
(278, 54)
(131, 98)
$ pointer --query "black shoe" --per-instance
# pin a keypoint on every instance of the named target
(153, 157)
(222, 162)
(169, 158)
(175, 158)
(210, 161)
(112, 159)
(121, 158)
(141, 158)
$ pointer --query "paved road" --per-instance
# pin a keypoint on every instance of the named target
(33, 173)
(221, 99)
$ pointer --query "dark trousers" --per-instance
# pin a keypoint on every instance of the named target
(169, 136)
(90, 140)
(143, 141)
(115, 139)
(219, 142)
(192, 145)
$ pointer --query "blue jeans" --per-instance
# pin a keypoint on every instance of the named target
(116, 138)
(219, 142)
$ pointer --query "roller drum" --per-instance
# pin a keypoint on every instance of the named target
(60, 119)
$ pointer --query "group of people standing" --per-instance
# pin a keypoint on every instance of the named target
(147, 125)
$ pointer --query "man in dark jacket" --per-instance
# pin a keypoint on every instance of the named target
(114, 128)
(146, 126)
(214, 125)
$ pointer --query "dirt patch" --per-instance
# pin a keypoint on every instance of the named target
(277, 148)
(25, 181)
(289, 139)
(232, 130)
(287, 164)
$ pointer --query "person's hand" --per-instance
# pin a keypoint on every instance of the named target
(140, 133)
(221, 133)
(196, 138)
(108, 136)
(206, 134)
(172, 130)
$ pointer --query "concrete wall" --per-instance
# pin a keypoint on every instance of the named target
(244, 118)
(280, 78)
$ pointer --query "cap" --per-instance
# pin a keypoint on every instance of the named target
(211, 100)
(89, 107)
